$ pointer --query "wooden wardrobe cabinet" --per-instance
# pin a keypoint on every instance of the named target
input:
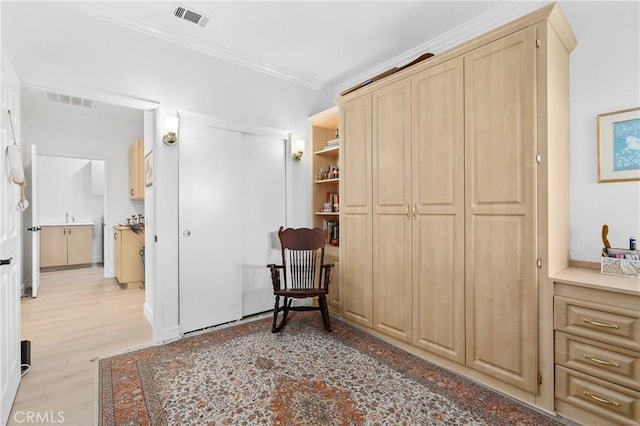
(455, 203)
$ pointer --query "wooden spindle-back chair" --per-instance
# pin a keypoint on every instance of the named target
(303, 274)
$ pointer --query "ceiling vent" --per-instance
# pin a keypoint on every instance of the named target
(69, 100)
(182, 12)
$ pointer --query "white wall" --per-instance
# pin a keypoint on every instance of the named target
(69, 133)
(605, 77)
(64, 186)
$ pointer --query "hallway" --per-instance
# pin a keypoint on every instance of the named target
(77, 317)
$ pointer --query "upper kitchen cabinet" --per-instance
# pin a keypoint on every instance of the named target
(136, 170)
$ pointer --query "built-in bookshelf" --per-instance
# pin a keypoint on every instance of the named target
(325, 197)
(326, 176)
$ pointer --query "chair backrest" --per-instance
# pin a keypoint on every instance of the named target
(302, 257)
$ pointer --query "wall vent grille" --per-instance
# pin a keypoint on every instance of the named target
(181, 12)
(69, 100)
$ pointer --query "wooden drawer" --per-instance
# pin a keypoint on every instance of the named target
(603, 361)
(607, 324)
(598, 402)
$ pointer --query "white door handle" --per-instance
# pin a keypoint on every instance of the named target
(186, 233)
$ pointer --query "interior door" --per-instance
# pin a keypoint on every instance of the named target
(210, 218)
(10, 250)
(263, 212)
(34, 226)
(232, 202)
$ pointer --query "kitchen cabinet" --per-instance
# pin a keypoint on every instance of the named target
(456, 176)
(128, 265)
(597, 348)
(136, 170)
(66, 245)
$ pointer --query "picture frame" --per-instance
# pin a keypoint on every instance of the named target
(148, 169)
(619, 146)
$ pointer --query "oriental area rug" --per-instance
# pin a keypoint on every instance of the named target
(245, 375)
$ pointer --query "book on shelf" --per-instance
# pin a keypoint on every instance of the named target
(332, 203)
(332, 232)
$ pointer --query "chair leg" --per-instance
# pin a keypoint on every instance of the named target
(276, 309)
(322, 301)
(285, 308)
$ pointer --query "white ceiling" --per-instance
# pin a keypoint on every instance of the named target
(319, 44)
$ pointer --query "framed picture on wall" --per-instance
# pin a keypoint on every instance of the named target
(148, 169)
(619, 146)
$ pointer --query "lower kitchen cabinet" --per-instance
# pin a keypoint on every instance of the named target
(66, 245)
(127, 259)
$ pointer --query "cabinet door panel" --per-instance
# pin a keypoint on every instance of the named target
(53, 246)
(333, 298)
(355, 210)
(131, 261)
(79, 245)
(438, 196)
(136, 170)
(500, 178)
(355, 171)
(117, 254)
(392, 285)
(391, 157)
(356, 267)
(439, 286)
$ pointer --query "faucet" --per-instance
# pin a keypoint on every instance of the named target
(66, 217)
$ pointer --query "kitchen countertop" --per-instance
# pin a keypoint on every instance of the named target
(69, 224)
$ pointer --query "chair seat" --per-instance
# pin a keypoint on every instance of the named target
(301, 293)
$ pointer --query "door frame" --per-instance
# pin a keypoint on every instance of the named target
(152, 111)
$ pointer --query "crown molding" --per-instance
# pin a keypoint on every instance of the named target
(104, 13)
(477, 26)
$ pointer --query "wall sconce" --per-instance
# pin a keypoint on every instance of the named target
(171, 129)
(297, 149)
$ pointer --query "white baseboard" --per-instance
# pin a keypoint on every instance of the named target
(166, 335)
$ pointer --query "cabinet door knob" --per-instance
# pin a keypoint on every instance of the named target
(115, 236)
(186, 233)
(132, 192)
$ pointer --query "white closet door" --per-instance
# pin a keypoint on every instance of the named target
(210, 186)
(232, 202)
(263, 213)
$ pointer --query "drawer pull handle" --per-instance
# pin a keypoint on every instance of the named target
(601, 324)
(602, 400)
(603, 362)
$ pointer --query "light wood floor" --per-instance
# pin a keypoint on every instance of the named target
(77, 317)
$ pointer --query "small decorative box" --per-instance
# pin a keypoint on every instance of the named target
(620, 267)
